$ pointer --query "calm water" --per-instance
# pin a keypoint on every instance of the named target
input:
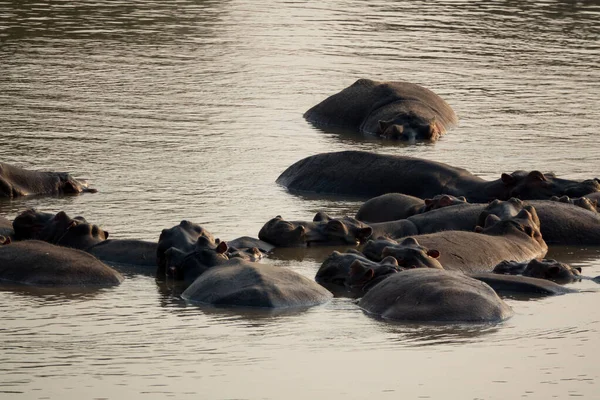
(191, 109)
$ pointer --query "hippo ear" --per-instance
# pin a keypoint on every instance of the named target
(364, 233)
(389, 260)
(410, 242)
(357, 268)
(491, 220)
(445, 201)
(462, 198)
(525, 214)
(433, 253)
(428, 202)
(536, 176)
(106, 235)
(578, 269)
(336, 225)
(478, 229)
(222, 248)
(507, 179)
(321, 216)
(383, 125)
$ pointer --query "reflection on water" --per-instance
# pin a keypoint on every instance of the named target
(191, 109)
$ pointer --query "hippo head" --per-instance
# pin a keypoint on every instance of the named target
(510, 268)
(29, 223)
(182, 237)
(363, 276)
(583, 202)
(410, 127)
(525, 222)
(69, 185)
(252, 254)
(373, 248)
(410, 254)
(77, 233)
(441, 201)
(538, 186)
(501, 209)
(552, 270)
(346, 230)
(283, 233)
(188, 266)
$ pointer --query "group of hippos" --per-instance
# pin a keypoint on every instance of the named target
(432, 243)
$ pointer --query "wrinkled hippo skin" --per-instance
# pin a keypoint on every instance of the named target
(36, 263)
(336, 269)
(516, 238)
(364, 174)
(560, 223)
(16, 182)
(182, 237)
(6, 228)
(510, 284)
(583, 202)
(245, 284)
(391, 110)
(322, 231)
(432, 295)
(542, 269)
(186, 267)
(397, 206)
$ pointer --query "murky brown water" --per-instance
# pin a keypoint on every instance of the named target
(191, 109)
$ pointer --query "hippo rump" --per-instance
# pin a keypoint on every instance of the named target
(364, 174)
(16, 182)
(391, 110)
(516, 238)
(38, 263)
(322, 231)
(6, 228)
(433, 295)
(245, 284)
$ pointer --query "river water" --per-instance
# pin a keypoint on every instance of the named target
(191, 109)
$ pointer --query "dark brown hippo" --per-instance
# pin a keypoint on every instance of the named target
(391, 110)
(6, 228)
(515, 284)
(77, 233)
(322, 231)
(543, 269)
(245, 284)
(365, 174)
(32, 262)
(433, 295)
(561, 223)
(396, 206)
(335, 270)
(187, 266)
(248, 248)
(516, 238)
(16, 182)
(583, 202)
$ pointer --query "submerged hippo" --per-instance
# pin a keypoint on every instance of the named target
(322, 231)
(396, 206)
(433, 295)
(543, 269)
(516, 238)
(16, 182)
(32, 262)
(391, 110)
(187, 266)
(365, 174)
(246, 284)
(583, 202)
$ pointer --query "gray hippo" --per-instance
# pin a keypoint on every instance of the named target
(322, 231)
(6, 228)
(187, 266)
(433, 295)
(36, 263)
(396, 206)
(16, 182)
(391, 110)
(516, 238)
(77, 233)
(583, 202)
(543, 269)
(364, 174)
(246, 284)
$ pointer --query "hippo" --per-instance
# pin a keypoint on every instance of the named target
(583, 202)
(182, 237)
(322, 231)
(248, 248)
(396, 206)
(363, 174)
(77, 233)
(390, 110)
(516, 238)
(245, 284)
(433, 295)
(6, 228)
(37, 263)
(336, 268)
(186, 267)
(561, 223)
(16, 182)
(514, 284)
(543, 269)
